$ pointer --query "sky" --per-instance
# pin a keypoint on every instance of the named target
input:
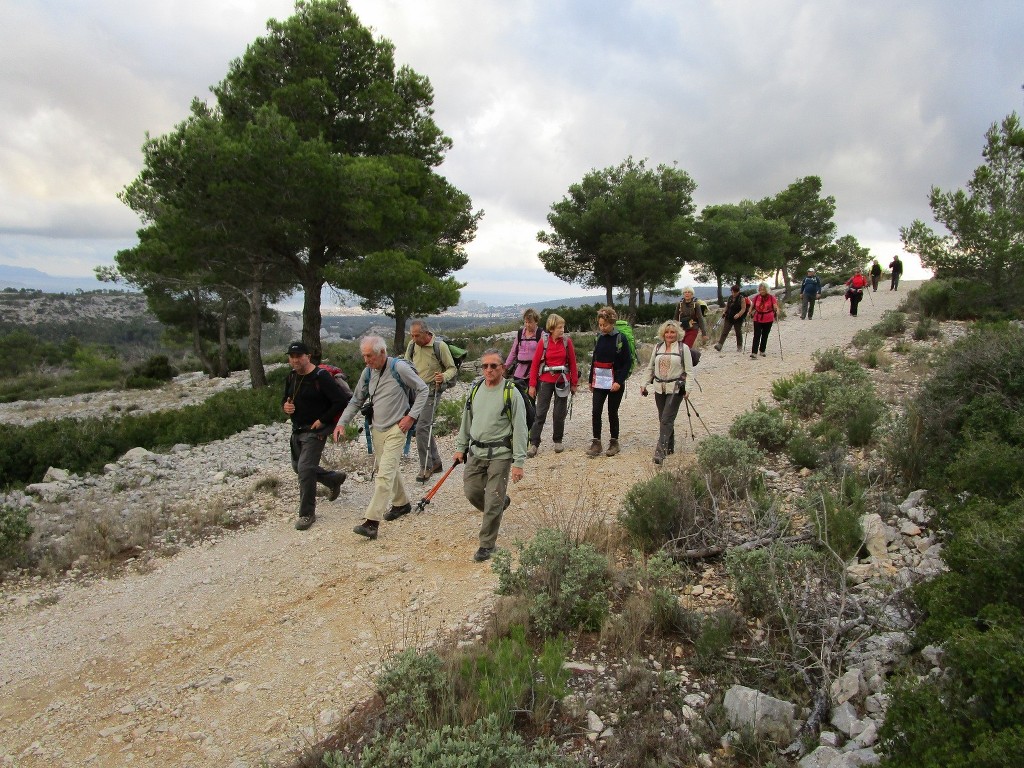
(881, 99)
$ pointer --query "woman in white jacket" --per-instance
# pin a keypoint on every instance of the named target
(669, 376)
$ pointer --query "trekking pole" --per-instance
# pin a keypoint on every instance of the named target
(430, 494)
(870, 298)
(695, 413)
(689, 419)
(779, 334)
(430, 432)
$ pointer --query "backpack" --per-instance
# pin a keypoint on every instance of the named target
(531, 407)
(694, 354)
(458, 354)
(411, 393)
(624, 330)
(339, 378)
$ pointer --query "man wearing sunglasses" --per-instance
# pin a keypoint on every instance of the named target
(492, 441)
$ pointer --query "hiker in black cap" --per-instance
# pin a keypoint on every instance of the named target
(313, 400)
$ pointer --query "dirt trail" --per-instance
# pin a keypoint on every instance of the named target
(243, 650)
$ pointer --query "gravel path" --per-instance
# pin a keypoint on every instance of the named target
(244, 649)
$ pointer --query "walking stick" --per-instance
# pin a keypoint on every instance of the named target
(430, 494)
(689, 405)
(779, 334)
(430, 432)
(690, 420)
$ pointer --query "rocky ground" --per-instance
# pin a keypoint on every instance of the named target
(254, 643)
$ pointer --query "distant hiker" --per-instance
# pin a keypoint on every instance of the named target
(313, 400)
(690, 316)
(383, 395)
(492, 441)
(732, 318)
(765, 308)
(553, 374)
(610, 366)
(876, 273)
(855, 290)
(896, 266)
(669, 376)
(810, 289)
(434, 364)
(520, 357)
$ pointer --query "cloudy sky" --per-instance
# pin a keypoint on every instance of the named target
(880, 99)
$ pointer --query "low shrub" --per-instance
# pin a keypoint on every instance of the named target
(782, 389)
(835, 359)
(988, 466)
(836, 505)
(763, 580)
(868, 339)
(891, 324)
(14, 534)
(416, 688)
(448, 416)
(483, 744)
(803, 449)
(808, 397)
(658, 510)
(717, 631)
(856, 410)
(926, 328)
(729, 465)
(765, 426)
(565, 585)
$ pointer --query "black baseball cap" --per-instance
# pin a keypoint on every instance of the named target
(298, 348)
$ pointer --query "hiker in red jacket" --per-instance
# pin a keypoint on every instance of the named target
(855, 290)
(764, 307)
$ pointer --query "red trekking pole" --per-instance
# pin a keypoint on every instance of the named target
(430, 494)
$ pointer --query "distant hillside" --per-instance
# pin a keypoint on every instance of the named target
(33, 279)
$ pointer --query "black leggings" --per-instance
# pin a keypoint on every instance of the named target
(614, 399)
(761, 331)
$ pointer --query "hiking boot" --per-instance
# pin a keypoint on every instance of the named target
(718, 347)
(763, 355)
(484, 553)
(425, 474)
(658, 458)
(594, 449)
(333, 482)
(304, 522)
(753, 356)
(396, 512)
(558, 447)
(367, 528)
(613, 448)
(531, 451)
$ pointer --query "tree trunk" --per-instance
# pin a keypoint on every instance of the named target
(400, 320)
(257, 374)
(197, 345)
(650, 295)
(632, 300)
(640, 297)
(312, 319)
(721, 296)
(608, 290)
(223, 369)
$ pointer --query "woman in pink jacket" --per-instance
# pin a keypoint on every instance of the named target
(552, 375)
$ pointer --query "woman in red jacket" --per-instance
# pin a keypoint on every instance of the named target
(764, 308)
(855, 290)
(553, 374)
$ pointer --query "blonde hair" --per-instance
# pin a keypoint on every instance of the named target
(608, 314)
(554, 321)
(670, 324)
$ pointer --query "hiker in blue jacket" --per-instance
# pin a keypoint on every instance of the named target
(608, 372)
(810, 289)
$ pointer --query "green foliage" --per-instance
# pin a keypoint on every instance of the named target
(976, 389)
(14, 534)
(416, 688)
(482, 744)
(782, 389)
(972, 715)
(765, 426)
(506, 680)
(835, 359)
(717, 631)
(758, 577)
(730, 465)
(448, 416)
(565, 584)
(926, 328)
(658, 510)
(803, 449)
(151, 374)
(836, 506)
(893, 323)
(868, 339)
(988, 466)
(85, 445)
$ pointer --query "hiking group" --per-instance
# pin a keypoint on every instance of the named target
(507, 407)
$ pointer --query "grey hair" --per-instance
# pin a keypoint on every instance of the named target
(690, 289)
(762, 285)
(492, 351)
(421, 323)
(375, 344)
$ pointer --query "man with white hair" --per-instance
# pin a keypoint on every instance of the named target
(391, 396)
(810, 289)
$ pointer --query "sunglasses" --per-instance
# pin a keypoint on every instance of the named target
(490, 365)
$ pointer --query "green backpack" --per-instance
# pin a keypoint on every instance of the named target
(626, 331)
